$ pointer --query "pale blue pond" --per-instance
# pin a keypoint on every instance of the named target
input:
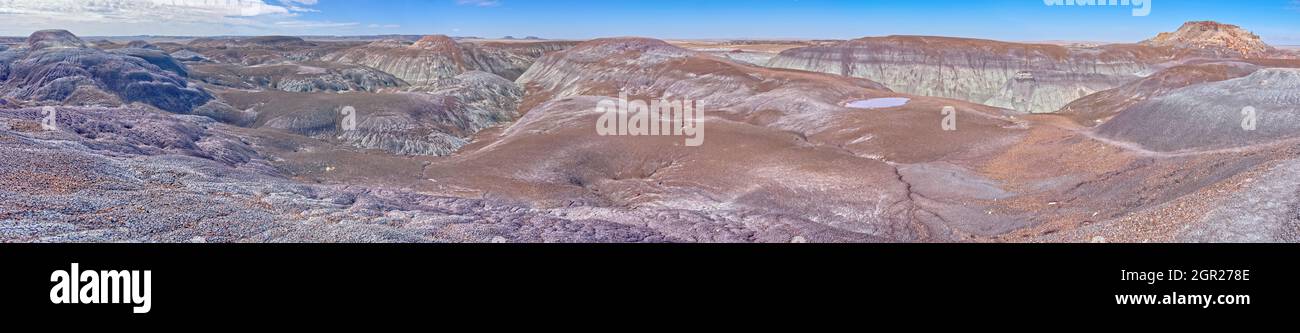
(879, 103)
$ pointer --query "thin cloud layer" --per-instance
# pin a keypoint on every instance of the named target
(160, 16)
(132, 11)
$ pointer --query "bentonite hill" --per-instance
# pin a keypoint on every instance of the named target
(1189, 136)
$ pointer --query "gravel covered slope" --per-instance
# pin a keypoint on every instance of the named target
(130, 175)
(1210, 116)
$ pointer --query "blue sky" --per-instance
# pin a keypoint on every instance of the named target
(1278, 21)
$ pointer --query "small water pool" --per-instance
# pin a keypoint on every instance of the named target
(879, 103)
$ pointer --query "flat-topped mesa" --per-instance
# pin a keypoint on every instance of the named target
(648, 68)
(389, 43)
(431, 59)
(1037, 78)
(1217, 38)
(54, 39)
(629, 58)
(607, 66)
(259, 42)
(595, 50)
(435, 58)
(139, 44)
(626, 43)
(309, 76)
(251, 51)
(275, 41)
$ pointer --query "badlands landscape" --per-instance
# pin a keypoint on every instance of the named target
(1189, 136)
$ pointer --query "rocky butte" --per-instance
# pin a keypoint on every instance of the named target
(1218, 39)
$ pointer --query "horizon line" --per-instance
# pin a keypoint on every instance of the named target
(526, 38)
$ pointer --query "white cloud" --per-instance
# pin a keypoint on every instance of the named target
(297, 5)
(198, 17)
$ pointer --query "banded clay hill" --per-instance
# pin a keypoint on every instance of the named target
(444, 139)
